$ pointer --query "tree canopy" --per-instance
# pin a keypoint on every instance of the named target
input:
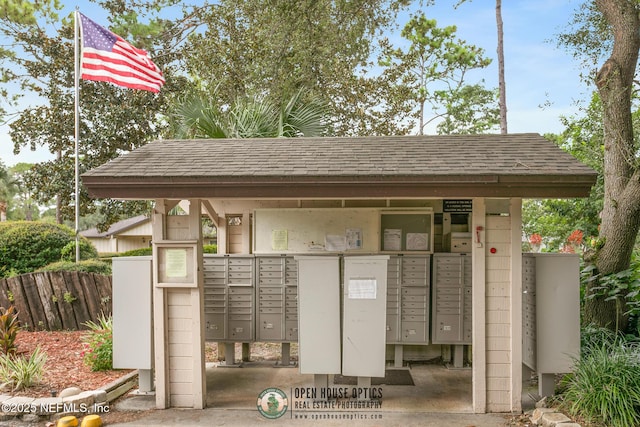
(224, 54)
(427, 81)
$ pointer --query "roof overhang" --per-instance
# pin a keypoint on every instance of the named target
(514, 165)
(388, 188)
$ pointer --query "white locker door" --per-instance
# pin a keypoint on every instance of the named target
(319, 314)
(365, 304)
(132, 313)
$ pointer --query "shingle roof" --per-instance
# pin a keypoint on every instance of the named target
(117, 227)
(432, 160)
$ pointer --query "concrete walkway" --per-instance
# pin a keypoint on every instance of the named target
(245, 418)
(439, 397)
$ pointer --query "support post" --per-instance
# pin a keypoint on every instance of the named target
(398, 356)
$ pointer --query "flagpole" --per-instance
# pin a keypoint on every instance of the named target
(76, 63)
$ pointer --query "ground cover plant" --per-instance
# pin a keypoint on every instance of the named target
(99, 344)
(17, 370)
(605, 384)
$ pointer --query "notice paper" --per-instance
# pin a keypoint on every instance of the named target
(392, 239)
(335, 242)
(176, 262)
(362, 288)
(417, 241)
(279, 240)
(354, 238)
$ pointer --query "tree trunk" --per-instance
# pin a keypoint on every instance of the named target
(58, 198)
(621, 212)
(501, 81)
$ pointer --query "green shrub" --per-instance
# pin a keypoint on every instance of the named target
(21, 372)
(207, 249)
(137, 252)
(26, 246)
(99, 344)
(88, 266)
(87, 251)
(605, 385)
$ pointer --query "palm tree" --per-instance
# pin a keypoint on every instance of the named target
(253, 117)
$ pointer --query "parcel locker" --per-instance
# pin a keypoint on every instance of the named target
(277, 314)
(550, 315)
(319, 316)
(451, 299)
(364, 307)
(229, 298)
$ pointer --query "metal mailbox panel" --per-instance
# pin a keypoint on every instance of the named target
(448, 328)
(240, 330)
(270, 327)
(292, 330)
(272, 290)
(414, 332)
(264, 303)
(319, 314)
(215, 326)
(364, 308)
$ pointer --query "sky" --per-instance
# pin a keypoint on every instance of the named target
(542, 80)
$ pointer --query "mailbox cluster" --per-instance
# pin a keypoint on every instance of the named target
(408, 299)
(230, 291)
(229, 298)
(452, 299)
(277, 280)
(255, 298)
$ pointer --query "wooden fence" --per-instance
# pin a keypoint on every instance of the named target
(57, 300)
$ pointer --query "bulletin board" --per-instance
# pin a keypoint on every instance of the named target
(175, 264)
(319, 230)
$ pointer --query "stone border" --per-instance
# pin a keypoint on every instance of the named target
(550, 417)
(79, 403)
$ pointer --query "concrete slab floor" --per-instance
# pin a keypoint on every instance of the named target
(440, 397)
(436, 389)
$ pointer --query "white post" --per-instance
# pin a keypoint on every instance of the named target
(479, 373)
(516, 305)
(76, 63)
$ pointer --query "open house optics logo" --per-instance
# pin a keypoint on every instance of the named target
(323, 403)
(272, 403)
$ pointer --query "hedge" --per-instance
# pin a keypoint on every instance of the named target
(26, 246)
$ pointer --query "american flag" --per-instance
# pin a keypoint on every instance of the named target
(108, 57)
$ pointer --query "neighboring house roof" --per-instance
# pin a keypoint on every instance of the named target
(116, 228)
(514, 165)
